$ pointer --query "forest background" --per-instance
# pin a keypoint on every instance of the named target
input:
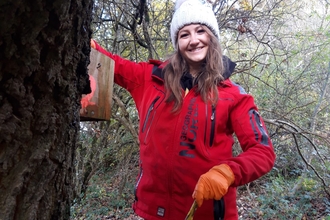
(282, 48)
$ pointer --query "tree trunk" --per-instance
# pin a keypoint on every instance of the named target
(44, 52)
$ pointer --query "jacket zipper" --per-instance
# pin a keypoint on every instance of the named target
(212, 126)
(151, 107)
(264, 135)
(138, 182)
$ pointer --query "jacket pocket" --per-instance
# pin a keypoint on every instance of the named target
(148, 119)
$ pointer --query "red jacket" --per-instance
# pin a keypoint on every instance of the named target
(175, 149)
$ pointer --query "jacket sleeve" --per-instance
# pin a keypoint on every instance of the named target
(128, 74)
(258, 155)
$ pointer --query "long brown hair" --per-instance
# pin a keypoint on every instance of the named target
(207, 80)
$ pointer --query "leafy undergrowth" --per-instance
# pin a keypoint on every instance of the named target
(110, 195)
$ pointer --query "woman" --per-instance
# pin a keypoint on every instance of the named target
(189, 111)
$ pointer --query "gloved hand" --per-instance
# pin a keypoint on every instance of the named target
(214, 184)
(93, 44)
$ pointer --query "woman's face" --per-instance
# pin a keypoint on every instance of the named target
(193, 42)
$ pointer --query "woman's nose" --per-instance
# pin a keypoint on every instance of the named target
(194, 39)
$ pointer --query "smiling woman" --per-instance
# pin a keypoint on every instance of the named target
(189, 111)
(193, 43)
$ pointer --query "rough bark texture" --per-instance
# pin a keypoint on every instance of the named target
(44, 52)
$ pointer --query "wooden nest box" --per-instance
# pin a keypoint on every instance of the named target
(96, 106)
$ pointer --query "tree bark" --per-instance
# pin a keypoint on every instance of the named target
(44, 53)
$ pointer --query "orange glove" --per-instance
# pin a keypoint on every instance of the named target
(214, 184)
(93, 44)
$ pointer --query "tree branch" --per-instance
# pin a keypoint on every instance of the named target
(294, 130)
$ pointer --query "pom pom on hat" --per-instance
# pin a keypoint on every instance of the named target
(193, 12)
(178, 3)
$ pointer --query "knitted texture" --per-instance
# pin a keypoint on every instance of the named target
(193, 12)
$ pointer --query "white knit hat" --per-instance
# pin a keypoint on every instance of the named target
(193, 12)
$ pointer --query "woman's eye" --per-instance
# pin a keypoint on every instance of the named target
(183, 35)
(200, 31)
